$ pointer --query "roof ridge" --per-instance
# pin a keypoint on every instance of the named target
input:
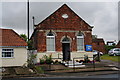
(5, 29)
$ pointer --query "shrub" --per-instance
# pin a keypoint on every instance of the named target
(46, 59)
(86, 60)
(49, 59)
(39, 69)
(42, 61)
(30, 61)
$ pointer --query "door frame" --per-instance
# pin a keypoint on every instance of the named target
(66, 53)
(68, 41)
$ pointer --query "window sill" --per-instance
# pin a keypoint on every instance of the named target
(7, 57)
(51, 51)
(81, 51)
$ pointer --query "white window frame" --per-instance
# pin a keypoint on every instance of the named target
(65, 41)
(80, 37)
(47, 45)
(12, 53)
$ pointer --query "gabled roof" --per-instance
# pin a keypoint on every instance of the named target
(8, 37)
(63, 9)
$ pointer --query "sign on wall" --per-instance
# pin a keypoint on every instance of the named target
(88, 47)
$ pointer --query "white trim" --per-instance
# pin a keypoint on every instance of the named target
(47, 31)
(67, 41)
(54, 42)
(81, 51)
(7, 57)
(7, 51)
(65, 16)
(50, 51)
(50, 36)
(13, 46)
(80, 37)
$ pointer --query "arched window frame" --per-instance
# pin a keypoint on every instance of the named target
(50, 42)
(80, 37)
(68, 41)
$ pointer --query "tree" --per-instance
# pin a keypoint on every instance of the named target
(24, 37)
(94, 36)
(30, 47)
(109, 47)
(29, 43)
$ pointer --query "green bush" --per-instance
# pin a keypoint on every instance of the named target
(30, 61)
(39, 69)
(42, 61)
(86, 60)
(49, 59)
(109, 47)
(46, 59)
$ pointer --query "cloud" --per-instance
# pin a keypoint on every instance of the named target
(14, 15)
(103, 15)
(106, 21)
(0, 14)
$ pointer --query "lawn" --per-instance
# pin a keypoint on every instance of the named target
(112, 58)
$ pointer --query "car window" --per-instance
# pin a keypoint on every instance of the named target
(119, 49)
(116, 50)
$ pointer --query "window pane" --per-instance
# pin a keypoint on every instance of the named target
(7, 52)
(80, 42)
(50, 44)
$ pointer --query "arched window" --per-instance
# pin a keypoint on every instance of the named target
(50, 41)
(80, 42)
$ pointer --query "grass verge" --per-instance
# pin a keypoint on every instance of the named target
(112, 58)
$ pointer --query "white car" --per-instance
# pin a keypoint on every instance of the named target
(96, 52)
(114, 52)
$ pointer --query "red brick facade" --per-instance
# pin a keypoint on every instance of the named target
(61, 27)
(118, 44)
(99, 45)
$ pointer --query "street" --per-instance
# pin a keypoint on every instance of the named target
(109, 76)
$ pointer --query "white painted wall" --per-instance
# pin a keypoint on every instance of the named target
(20, 58)
(55, 55)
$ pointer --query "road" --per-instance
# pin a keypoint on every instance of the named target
(95, 77)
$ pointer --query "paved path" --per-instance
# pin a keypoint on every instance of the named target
(111, 63)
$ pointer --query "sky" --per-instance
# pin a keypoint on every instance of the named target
(102, 15)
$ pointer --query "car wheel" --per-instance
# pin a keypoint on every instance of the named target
(114, 54)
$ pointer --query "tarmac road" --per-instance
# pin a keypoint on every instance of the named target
(95, 77)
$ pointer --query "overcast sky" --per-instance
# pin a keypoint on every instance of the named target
(103, 15)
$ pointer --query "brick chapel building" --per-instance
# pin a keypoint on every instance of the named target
(63, 31)
(99, 45)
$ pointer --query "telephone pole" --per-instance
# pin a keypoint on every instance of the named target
(28, 18)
